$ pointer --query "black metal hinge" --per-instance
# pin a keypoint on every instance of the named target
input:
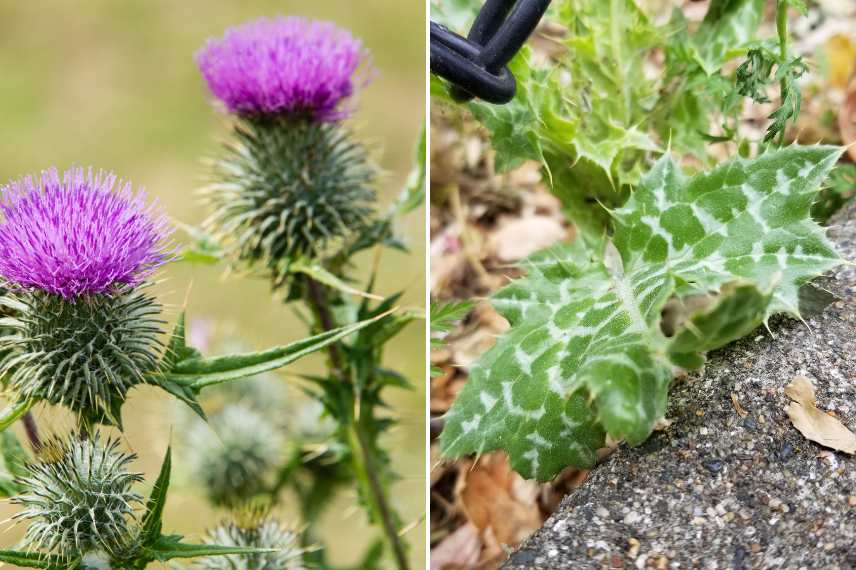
(477, 66)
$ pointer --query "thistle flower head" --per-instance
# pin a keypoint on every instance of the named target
(237, 461)
(283, 65)
(85, 353)
(254, 528)
(81, 233)
(288, 188)
(78, 497)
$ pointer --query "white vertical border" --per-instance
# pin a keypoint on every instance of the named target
(427, 105)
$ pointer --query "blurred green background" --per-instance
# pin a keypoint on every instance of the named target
(113, 84)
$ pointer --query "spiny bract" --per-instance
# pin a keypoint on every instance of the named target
(78, 497)
(284, 65)
(235, 462)
(78, 234)
(289, 187)
(264, 533)
(85, 352)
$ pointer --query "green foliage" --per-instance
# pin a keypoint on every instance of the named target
(442, 317)
(588, 352)
(184, 372)
(14, 464)
(274, 166)
(594, 115)
(839, 189)
(457, 14)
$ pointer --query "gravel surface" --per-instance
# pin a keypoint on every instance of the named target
(720, 489)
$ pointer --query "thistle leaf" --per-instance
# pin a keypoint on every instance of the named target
(412, 195)
(442, 317)
(152, 521)
(14, 461)
(735, 314)
(314, 269)
(727, 29)
(11, 413)
(586, 354)
(198, 372)
(36, 560)
(170, 547)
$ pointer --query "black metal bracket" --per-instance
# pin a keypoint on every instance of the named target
(477, 66)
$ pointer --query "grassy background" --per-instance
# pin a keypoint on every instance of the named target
(113, 84)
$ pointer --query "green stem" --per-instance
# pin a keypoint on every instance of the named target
(782, 29)
(359, 441)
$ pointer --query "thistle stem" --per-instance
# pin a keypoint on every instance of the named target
(32, 430)
(782, 30)
(365, 462)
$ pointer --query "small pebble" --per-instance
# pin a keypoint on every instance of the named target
(713, 465)
(632, 547)
(786, 451)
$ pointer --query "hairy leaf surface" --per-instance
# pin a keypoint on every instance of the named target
(586, 354)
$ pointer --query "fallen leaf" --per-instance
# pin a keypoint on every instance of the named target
(521, 237)
(461, 549)
(815, 424)
(500, 503)
(840, 54)
(741, 411)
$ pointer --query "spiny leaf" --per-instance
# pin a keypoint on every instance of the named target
(413, 194)
(734, 314)
(442, 317)
(196, 373)
(314, 269)
(170, 547)
(36, 560)
(586, 354)
(840, 189)
(152, 521)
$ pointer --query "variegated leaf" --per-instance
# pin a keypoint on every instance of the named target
(586, 354)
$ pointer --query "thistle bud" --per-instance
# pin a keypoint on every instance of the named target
(74, 253)
(238, 460)
(253, 527)
(78, 497)
(292, 182)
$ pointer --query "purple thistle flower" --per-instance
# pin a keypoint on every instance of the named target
(77, 235)
(284, 65)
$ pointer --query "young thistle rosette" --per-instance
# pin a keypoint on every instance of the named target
(75, 255)
(292, 182)
(78, 497)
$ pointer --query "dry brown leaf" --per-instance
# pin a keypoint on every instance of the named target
(521, 237)
(841, 55)
(815, 424)
(461, 549)
(741, 411)
(500, 503)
